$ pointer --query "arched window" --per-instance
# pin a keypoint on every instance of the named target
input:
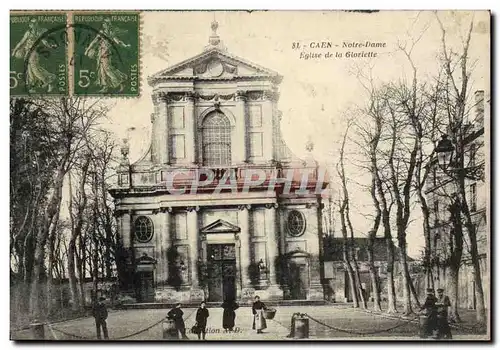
(216, 140)
(143, 228)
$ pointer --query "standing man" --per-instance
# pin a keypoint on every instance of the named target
(100, 313)
(443, 303)
(176, 315)
(431, 313)
(201, 320)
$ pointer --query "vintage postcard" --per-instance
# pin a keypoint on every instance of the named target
(233, 176)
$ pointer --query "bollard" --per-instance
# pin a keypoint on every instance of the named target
(37, 330)
(423, 322)
(300, 326)
(169, 330)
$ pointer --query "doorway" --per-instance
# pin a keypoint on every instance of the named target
(298, 280)
(145, 287)
(221, 260)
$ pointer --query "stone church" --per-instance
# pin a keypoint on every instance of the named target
(216, 114)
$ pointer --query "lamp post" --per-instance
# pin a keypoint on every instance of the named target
(444, 151)
(453, 164)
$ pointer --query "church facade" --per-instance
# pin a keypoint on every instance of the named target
(218, 207)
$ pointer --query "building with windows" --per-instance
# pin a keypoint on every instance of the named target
(218, 207)
(440, 192)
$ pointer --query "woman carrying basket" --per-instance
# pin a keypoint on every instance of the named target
(259, 321)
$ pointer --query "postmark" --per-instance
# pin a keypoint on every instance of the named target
(106, 54)
(38, 54)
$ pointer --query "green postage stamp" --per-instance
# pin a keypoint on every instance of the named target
(38, 54)
(106, 54)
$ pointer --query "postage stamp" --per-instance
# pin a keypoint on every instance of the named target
(38, 54)
(106, 54)
(227, 176)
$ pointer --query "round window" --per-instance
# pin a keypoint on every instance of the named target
(296, 223)
(143, 229)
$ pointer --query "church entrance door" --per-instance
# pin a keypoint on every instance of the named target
(221, 260)
(298, 281)
(146, 289)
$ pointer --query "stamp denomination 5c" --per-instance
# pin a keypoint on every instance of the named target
(38, 54)
(106, 54)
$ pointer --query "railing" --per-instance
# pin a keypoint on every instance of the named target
(253, 175)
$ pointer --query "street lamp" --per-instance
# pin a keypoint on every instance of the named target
(444, 151)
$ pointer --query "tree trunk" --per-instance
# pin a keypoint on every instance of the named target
(391, 289)
(352, 283)
(71, 254)
(357, 278)
(407, 308)
(452, 290)
(52, 260)
(373, 272)
(41, 239)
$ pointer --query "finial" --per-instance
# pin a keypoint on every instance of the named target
(309, 145)
(125, 148)
(215, 25)
(214, 39)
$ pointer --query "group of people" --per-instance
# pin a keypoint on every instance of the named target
(436, 311)
(228, 317)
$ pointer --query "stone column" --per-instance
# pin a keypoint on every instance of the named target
(127, 229)
(162, 134)
(190, 137)
(272, 242)
(165, 243)
(240, 145)
(192, 233)
(127, 236)
(244, 221)
(314, 247)
(268, 121)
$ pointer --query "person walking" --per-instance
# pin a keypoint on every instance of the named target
(443, 303)
(100, 313)
(176, 315)
(229, 314)
(431, 312)
(201, 320)
(259, 322)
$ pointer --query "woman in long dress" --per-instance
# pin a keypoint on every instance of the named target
(101, 49)
(228, 316)
(259, 322)
(36, 75)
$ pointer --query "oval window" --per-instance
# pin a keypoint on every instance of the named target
(296, 223)
(143, 229)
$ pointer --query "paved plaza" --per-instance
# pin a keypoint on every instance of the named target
(335, 323)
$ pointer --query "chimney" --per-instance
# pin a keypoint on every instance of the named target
(479, 109)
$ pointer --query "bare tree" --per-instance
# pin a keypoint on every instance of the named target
(71, 119)
(349, 249)
(77, 205)
(457, 68)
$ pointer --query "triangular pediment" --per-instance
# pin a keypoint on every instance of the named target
(220, 226)
(214, 64)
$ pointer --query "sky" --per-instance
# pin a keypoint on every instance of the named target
(315, 93)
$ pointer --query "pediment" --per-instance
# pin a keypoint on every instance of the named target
(146, 260)
(214, 64)
(220, 226)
